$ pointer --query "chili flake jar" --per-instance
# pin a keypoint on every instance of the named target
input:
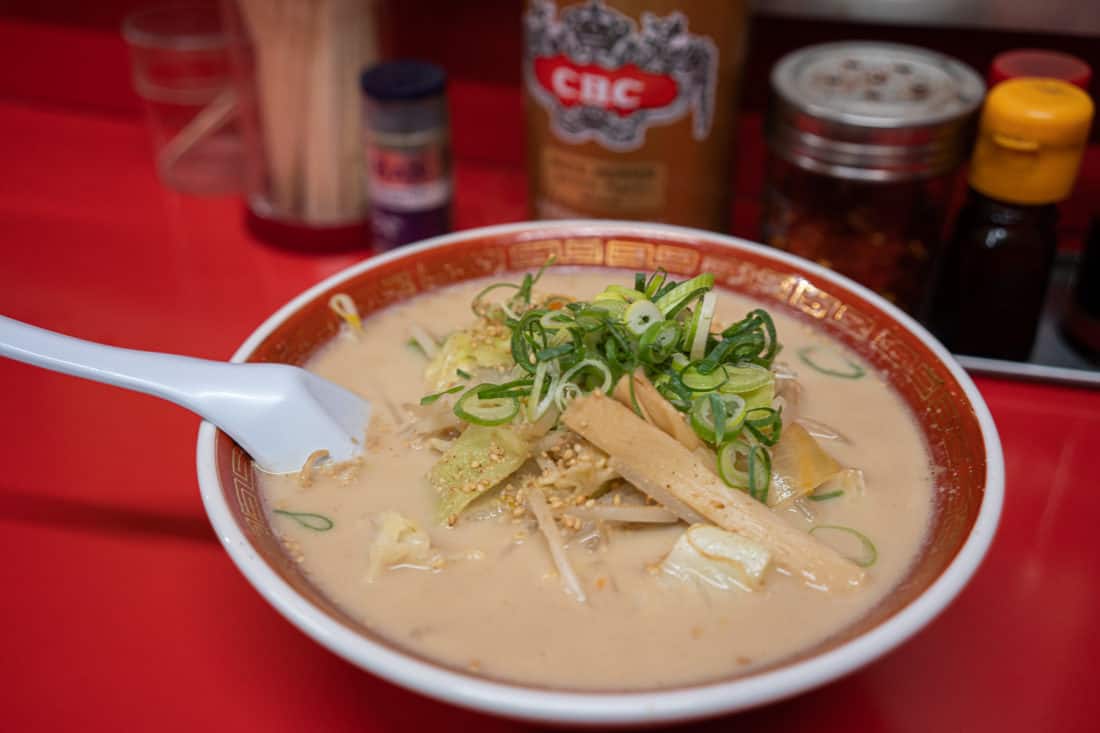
(864, 140)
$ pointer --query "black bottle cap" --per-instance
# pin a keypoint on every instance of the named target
(403, 81)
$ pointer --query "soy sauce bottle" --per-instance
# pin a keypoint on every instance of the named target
(997, 263)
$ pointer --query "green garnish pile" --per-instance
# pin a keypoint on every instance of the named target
(721, 380)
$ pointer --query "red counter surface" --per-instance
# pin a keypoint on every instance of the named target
(121, 612)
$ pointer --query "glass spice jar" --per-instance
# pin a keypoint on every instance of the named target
(864, 141)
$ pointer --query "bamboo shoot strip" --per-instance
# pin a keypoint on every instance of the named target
(652, 460)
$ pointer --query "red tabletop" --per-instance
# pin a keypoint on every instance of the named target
(121, 612)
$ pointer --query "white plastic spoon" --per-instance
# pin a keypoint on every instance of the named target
(278, 413)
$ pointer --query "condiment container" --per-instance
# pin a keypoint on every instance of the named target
(997, 265)
(1039, 62)
(407, 152)
(864, 140)
(1081, 324)
(630, 108)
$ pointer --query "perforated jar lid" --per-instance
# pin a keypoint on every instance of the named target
(872, 111)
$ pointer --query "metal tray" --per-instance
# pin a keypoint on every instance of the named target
(1052, 358)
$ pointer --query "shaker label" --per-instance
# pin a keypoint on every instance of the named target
(601, 77)
(407, 175)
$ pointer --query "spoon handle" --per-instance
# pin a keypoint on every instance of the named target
(179, 379)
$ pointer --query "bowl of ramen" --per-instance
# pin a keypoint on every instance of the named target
(615, 474)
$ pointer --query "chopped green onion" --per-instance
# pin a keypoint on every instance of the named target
(760, 473)
(537, 404)
(673, 389)
(528, 336)
(566, 393)
(870, 552)
(619, 292)
(717, 417)
(556, 320)
(514, 388)
(745, 378)
(472, 408)
(640, 316)
(593, 316)
(765, 424)
(462, 373)
(730, 454)
(613, 308)
(826, 496)
(695, 379)
(476, 305)
(665, 289)
(806, 354)
(429, 399)
(309, 520)
(681, 295)
(772, 349)
(746, 467)
(554, 352)
(752, 339)
(656, 282)
(658, 342)
(415, 346)
(695, 340)
(576, 347)
(596, 364)
(529, 281)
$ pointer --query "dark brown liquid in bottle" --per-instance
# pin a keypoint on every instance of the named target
(994, 278)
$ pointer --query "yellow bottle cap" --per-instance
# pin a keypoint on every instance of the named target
(1032, 135)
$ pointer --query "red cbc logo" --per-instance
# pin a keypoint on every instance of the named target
(624, 90)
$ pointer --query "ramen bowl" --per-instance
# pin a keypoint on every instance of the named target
(948, 409)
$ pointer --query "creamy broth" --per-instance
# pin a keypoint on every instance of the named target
(497, 606)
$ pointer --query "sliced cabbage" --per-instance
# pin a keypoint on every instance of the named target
(397, 541)
(470, 351)
(799, 465)
(477, 460)
(717, 557)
